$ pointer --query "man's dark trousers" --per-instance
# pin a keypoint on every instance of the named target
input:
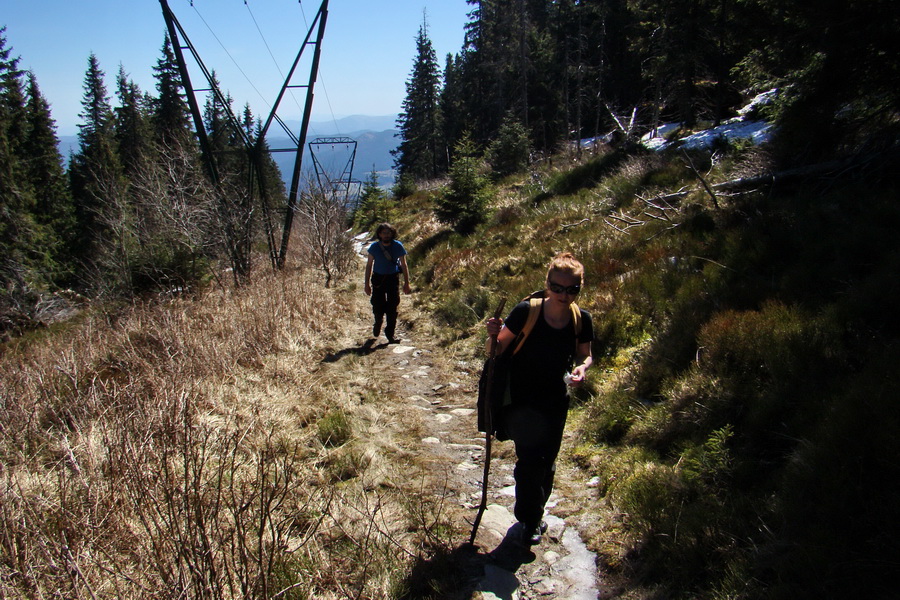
(385, 300)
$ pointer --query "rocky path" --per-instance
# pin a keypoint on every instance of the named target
(440, 395)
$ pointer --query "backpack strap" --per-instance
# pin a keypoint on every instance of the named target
(387, 254)
(576, 319)
(534, 311)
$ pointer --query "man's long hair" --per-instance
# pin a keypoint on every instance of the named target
(385, 227)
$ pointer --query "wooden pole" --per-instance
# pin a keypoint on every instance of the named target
(488, 426)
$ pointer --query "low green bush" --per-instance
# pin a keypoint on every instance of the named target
(334, 429)
(608, 417)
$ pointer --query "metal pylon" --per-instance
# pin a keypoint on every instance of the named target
(338, 186)
(256, 151)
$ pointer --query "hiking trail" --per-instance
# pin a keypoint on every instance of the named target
(438, 396)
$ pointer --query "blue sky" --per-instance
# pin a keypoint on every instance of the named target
(367, 52)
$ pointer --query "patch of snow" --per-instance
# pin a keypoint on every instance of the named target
(757, 101)
(361, 242)
(595, 141)
(740, 127)
(756, 131)
(660, 132)
(656, 144)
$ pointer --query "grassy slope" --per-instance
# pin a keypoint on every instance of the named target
(226, 446)
(741, 419)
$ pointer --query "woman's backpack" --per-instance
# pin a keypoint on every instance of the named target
(500, 396)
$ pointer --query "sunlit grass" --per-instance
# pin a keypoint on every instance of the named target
(725, 330)
(159, 445)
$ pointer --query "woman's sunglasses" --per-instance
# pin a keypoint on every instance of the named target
(571, 290)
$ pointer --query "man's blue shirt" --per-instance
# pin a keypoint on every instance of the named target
(382, 265)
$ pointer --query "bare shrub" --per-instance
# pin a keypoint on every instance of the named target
(139, 462)
(324, 239)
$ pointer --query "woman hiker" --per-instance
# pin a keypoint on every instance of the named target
(536, 417)
(386, 261)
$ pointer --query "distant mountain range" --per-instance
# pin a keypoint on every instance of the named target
(375, 137)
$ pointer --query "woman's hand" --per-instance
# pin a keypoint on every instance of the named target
(577, 376)
(493, 326)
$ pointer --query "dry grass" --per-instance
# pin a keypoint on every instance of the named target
(172, 450)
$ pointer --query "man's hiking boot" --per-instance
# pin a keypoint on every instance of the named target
(531, 536)
(376, 330)
(393, 340)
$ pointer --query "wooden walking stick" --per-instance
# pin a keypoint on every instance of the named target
(488, 426)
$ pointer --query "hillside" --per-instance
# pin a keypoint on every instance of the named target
(738, 431)
(740, 426)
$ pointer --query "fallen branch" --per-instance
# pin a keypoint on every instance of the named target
(626, 227)
(571, 225)
(663, 199)
(788, 174)
(664, 217)
(702, 180)
(626, 219)
(619, 229)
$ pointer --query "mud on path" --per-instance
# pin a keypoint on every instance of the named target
(427, 403)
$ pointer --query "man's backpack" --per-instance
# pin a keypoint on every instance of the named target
(500, 396)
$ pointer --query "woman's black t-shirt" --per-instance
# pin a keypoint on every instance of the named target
(537, 370)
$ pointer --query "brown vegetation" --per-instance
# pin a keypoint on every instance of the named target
(202, 449)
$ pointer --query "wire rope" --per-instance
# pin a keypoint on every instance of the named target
(280, 72)
(264, 99)
(274, 60)
(324, 88)
(271, 54)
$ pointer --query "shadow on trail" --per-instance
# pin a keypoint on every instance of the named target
(367, 348)
(511, 553)
(468, 569)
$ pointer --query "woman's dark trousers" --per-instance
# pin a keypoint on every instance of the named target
(538, 436)
(385, 300)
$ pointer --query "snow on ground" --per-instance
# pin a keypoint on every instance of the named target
(733, 129)
(740, 127)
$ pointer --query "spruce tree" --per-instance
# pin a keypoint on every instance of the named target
(12, 96)
(132, 123)
(231, 159)
(97, 186)
(464, 203)
(421, 153)
(53, 210)
(454, 116)
(510, 150)
(17, 235)
(372, 206)
(219, 128)
(840, 62)
(171, 116)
